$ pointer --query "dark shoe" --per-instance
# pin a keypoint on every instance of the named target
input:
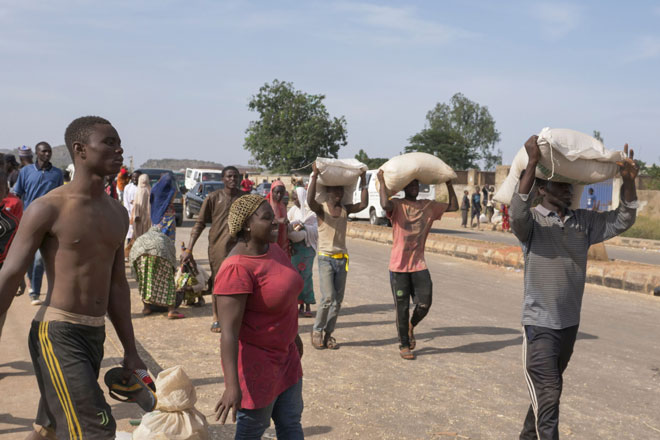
(317, 340)
(329, 342)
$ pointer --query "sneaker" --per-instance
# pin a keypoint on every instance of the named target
(36, 302)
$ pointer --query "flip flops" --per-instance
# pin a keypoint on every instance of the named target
(139, 388)
(215, 327)
(406, 354)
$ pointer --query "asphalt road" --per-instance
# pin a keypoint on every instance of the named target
(613, 252)
(466, 382)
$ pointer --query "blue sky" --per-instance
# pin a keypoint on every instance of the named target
(175, 77)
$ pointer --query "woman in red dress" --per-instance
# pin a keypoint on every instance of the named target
(257, 290)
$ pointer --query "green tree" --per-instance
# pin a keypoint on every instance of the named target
(371, 162)
(462, 133)
(293, 129)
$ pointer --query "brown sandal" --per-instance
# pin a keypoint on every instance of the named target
(317, 340)
(330, 342)
(406, 354)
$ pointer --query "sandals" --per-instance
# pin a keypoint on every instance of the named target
(175, 315)
(330, 343)
(411, 337)
(215, 327)
(307, 314)
(406, 354)
(317, 340)
(135, 389)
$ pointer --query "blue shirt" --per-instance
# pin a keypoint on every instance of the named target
(33, 182)
(591, 201)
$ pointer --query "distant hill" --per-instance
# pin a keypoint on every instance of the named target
(180, 164)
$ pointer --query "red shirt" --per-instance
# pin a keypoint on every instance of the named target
(411, 224)
(12, 211)
(268, 359)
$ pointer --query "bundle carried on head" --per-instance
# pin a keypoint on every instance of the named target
(399, 171)
(338, 172)
(566, 156)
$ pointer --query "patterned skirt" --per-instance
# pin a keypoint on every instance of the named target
(155, 277)
(303, 260)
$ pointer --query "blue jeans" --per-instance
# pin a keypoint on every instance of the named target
(332, 280)
(36, 274)
(286, 411)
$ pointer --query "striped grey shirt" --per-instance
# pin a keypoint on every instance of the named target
(555, 252)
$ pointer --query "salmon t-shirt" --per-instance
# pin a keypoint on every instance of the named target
(411, 224)
(268, 359)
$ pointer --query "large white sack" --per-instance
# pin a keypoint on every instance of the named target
(338, 172)
(399, 171)
(566, 156)
(175, 416)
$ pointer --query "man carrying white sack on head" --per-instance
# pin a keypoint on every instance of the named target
(555, 240)
(412, 220)
(332, 217)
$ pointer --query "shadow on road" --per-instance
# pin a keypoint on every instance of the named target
(25, 425)
(367, 308)
(24, 367)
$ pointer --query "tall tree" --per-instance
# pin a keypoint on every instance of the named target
(293, 129)
(462, 133)
(371, 162)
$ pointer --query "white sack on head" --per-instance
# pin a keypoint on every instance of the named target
(566, 156)
(399, 171)
(175, 416)
(338, 172)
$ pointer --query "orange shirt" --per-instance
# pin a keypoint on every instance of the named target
(411, 224)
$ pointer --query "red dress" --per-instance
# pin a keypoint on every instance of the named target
(268, 359)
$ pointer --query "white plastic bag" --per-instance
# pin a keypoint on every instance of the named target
(566, 156)
(175, 416)
(338, 172)
(399, 171)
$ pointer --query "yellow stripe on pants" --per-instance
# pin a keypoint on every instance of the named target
(75, 432)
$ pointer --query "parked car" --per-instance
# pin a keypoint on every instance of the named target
(199, 175)
(154, 174)
(262, 189)
(374, 212)
(195, 197)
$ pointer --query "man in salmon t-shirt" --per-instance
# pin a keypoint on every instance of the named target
(412, 220)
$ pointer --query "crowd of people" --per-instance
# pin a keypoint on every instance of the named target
(261, 258)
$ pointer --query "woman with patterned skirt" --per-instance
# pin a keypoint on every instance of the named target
(303, 233)
(153, 259)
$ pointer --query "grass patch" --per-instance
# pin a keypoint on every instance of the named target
(644, 227)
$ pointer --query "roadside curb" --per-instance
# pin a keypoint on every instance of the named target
(635, 243)
(633, 277)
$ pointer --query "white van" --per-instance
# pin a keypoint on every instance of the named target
(374, 212)
(197, 175)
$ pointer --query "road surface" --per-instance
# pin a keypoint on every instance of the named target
(466, 382)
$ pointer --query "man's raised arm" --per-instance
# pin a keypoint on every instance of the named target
(364, 196)
(311, 192)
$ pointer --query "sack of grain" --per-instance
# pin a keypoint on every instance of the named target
(399, 171)
(566, 156)
(338, 172)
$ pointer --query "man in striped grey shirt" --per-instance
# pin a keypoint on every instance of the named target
(555, 240)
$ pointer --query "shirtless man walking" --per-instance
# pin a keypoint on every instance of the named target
(80, 232)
